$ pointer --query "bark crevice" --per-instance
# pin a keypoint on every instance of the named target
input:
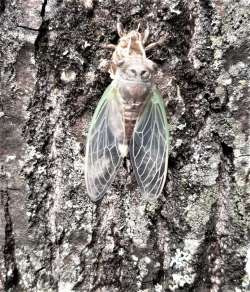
(12, 275)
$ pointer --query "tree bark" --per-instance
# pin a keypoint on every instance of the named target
(53, 73)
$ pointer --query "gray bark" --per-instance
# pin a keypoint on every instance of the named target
(53, 72)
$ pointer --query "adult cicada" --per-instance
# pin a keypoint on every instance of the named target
(130, 118)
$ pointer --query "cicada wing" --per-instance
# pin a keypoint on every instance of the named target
(104, 139)
(149, 147)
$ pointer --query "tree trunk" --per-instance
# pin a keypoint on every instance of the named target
(53, 73)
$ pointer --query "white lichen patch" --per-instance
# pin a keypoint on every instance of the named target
(147, 260)
(143, 266)
(224, 79)
(241, 160)
(178, 143)
(197, 212)
(204, 169)
(65, 287)
(196, 63)
(213, 171)
(137, 224)
(181, 126)
(236, 69)
(68, 76)
(58, 183)
(247, 268)
(182, 263)
(90, 77)
(246, 279)
(104, 65)
(109, 246)
(158, 288)
(88, 4)
(134, 258)
(244, 83)
(220, 91)
(121, 252)
(218, 54)
(10, 158)
(167, 258)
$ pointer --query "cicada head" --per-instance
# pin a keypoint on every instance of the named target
(130, 52)
(136, 69)
(134, 77)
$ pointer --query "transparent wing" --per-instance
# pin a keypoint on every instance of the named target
(105, 137)
(149, 147)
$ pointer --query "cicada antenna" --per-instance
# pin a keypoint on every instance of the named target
(120, 28)
(129, 45)
(146, 34)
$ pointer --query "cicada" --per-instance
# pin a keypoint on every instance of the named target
(129, 119)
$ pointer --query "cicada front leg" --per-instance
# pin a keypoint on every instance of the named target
(155, 44)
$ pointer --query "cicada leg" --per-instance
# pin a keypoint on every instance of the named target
(155, 44)
(145, 35)
(120, 29)
(108, 46)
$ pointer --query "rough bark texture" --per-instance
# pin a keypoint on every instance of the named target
(53, 72)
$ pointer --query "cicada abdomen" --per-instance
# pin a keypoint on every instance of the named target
(129, 117)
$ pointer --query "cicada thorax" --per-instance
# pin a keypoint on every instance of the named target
(133, 72)
(134, 96)
(134, 82)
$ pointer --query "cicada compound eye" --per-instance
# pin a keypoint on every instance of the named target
(131, 73)
(145, 75)
(120, 62)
